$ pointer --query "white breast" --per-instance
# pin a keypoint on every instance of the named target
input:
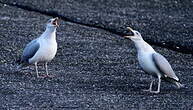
(146, 62)
(46, 52)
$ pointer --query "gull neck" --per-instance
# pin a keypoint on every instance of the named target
(50, 33)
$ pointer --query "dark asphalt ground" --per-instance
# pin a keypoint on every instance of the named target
(95, 68)
(165, 23)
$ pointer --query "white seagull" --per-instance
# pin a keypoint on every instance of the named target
(42, 49)
(152, 62)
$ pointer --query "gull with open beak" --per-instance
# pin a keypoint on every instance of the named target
(42, 49)
(152, 62)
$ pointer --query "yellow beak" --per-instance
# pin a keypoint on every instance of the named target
(127, 36)
(55, 22)
(129, 28)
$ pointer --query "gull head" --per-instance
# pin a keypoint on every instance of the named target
(136, 35)
(53, 22)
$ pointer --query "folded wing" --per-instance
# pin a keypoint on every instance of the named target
(164, 67)
(30, 50)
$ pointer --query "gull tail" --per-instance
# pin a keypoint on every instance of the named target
(174, 81)
(20, 64)
(179, 85)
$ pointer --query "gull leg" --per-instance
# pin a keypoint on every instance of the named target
(150, 87)
(46, 69)
(47, 74)
(36, 69)
(158, 88)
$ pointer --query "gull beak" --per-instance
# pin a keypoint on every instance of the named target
(55, 22)
(131, 31)
(127, 36)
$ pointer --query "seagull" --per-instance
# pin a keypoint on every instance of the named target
(152, 62)
(42, 49)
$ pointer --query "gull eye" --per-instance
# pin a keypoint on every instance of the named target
(49, 21)
(137, 33)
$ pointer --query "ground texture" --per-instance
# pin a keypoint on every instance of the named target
(95, 67)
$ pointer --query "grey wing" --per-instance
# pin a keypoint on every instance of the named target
(30, 50)
(163, 66)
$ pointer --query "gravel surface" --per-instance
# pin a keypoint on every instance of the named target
(166, 23)
(94, 68)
